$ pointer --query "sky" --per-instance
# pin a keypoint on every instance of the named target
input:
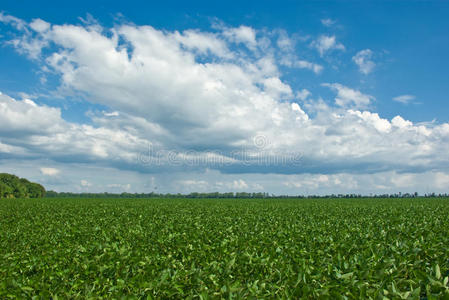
(284, 97)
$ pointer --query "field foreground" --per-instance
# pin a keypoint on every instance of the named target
(178, 248)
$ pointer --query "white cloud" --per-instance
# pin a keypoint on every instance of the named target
(212, 181)
(399, 122)
(242, 34)
(441, 180)
(193, 182)
(288, 55)
(27, 117)
(303, 64)
(49, 171)
(202, 42)
(111, 114)
(347, 97)
(42, 130)
(405, 99)
(312, 183)
(27, 43)
(182, 91)
(257, 186)
(198, 90)
(303, 94)
(284, 42)
(85, 183)
(327, 22)
(119, 186)
(277, 89)
(403, 180)
(16, 150)
(192, 185)
(326, 43)
(39, 25)
(239, 184)
(292, 61)
(301, 114)
(382, 125)
(16, 22)
(363, 59)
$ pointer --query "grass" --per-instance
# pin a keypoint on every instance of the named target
(184, 248)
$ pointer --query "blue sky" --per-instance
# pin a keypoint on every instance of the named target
(285, 97)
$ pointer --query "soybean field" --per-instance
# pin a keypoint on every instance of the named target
(224, 248)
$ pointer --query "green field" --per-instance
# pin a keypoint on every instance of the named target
(178, 248)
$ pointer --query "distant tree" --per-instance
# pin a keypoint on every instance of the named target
(35, 190)
(5, 190)
(13, 186)
(20, 191)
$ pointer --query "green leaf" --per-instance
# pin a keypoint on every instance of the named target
(437, 272)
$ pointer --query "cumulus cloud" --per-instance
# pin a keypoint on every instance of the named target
(39, 25)
(203, 42)
(186, 97)
(404, 99)
(363, 59)
(40, 129)
(243, 34)
(203, 97)
(289, 57)
(239, 184)
(14, 21)
(303, 64)
(303, 94)
(26, 117)
(49, 171)
(326, 43)
(27, 43)
(85, 183)
(347, 97)
(284, 42)
(292, 61)
(109, 179)
(276, 88)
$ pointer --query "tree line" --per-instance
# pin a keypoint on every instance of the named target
(12, 186)
(53, 194)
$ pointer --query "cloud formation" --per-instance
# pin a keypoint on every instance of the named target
(49, 171)
(204, 97)
(363, 59)
(327, 22)
(347, 97)
(404, 99)
(326, 43)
